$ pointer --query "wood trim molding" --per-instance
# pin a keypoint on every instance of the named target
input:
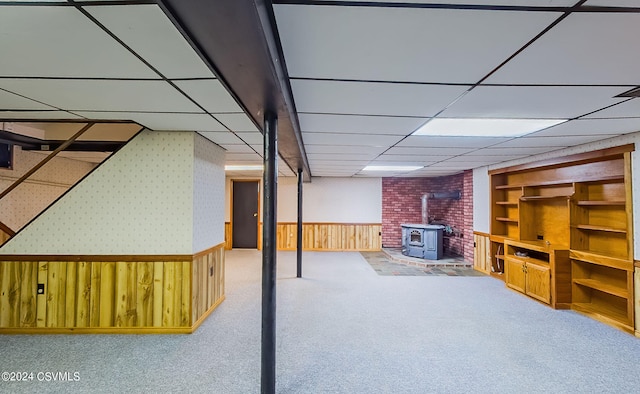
(637, 263)
(481, 234)
(209, 250)
(602, 154)
(7, 229)
(97, 258)
(142, 258)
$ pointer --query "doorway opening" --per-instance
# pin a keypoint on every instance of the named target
(244, 213)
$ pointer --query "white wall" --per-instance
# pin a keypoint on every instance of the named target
(481, 200)
(139, 201)
(326, 200)
(39, 190)
(208, 194)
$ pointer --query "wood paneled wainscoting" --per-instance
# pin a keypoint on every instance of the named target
(324, 236)
(110, 294)
(637, 296)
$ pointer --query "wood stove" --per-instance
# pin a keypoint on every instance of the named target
(422, 240)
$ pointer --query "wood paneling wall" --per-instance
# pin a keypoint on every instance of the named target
(324, 236)
(637, 297)
(207, 283)
(482, 252)
(111, 296)
(228, 237)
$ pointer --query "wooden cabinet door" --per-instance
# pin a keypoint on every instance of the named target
(538, 282)
(514, 275)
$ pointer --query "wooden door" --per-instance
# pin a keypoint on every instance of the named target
(538, 282)
(244, 220)
(514, 275)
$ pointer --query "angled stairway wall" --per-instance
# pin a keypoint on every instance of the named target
(137, 246)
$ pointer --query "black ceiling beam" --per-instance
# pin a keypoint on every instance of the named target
(237, 39)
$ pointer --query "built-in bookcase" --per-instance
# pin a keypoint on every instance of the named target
(579, 206)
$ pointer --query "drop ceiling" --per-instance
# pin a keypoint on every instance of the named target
(363, 76)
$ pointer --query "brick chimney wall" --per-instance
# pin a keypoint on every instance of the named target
(401, 203)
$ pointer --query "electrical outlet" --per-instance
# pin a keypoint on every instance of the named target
(40, 288)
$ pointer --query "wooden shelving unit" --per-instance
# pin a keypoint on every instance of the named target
(572, 219)
(540, 271)
(602, 256)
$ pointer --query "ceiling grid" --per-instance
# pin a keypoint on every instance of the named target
(364, 76)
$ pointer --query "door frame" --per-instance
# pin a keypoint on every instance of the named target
(259, 221)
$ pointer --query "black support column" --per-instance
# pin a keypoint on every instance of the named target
(270, 185)
(299, 244)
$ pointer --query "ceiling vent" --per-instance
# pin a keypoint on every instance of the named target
(635, 92)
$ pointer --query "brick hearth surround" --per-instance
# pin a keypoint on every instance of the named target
(401, 203)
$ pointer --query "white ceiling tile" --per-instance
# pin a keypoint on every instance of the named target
(237, 122)
(210, 94)
(585, 48)
(60, 41)
(237, 148)
(409, 160)
(532, 102)
(373, 150)
(406, 162)
(461, 165)
(587, 126)
(221, 137)
(349, 139)
(427, 151)
(9, 101)
(511, 151)
(252, 138)
(37, 115)
(359, 124)
(628, 109)
(148, 31)
(614, 3)
(394, 44)
(431, 173)
(340, 157)
(340, 174)
(528, 3)
(447, 142)
(373, 98)
(162, 121)
(101, 95)
(335, 164)
(484, 159)
(551, 141)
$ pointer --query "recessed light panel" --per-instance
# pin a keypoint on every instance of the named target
(485, 127)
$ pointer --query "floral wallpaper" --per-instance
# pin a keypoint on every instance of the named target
(208, 194)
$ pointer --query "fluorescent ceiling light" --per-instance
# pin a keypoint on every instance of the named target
(244, 167)
(484, 127)
(392, 168)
